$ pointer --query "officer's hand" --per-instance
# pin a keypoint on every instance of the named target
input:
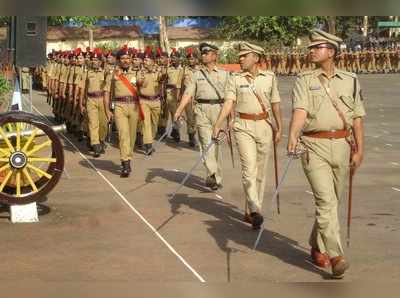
(356, 160)
(216, 131)
(109, 115)
(177, 116)
(278, 136)
(292, 143)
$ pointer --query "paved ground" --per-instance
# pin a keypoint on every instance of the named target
(98, 227)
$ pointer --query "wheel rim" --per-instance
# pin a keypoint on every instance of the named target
(30, 165)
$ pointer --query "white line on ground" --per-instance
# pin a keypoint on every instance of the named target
(395, 163)
(390, 145)
(309, 192)
(396, 189)
(219, 197)
(169, 246)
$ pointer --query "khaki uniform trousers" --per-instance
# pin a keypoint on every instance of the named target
(169, 109)
(25, 80)
(327, 172)
(254, 143)
(151, 111)
(126, 117)
(97, 120)
(205, 117)
(190, 119)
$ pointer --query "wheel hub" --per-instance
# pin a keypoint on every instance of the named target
(18, 160)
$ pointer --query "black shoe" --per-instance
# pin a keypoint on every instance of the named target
(96, 150)
(103, 147)
(160, 131)
(88, 145)
(256, 220)
(211, 182)
(139, 140)
(192, 140)
(148, 149)
(125, 168)
(175, 135)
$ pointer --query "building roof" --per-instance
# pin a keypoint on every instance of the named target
(55, 33)
(175, 33)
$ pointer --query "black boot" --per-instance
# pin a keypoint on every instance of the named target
(88, 145)
(148, 149)
(256, 220)
(139, 140)
(103, 147)
(211, 182)
(160, 131)
(175, 135)
(192, 140)
(96, 150)
(125, 168)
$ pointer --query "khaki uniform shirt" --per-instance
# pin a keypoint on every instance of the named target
(199, 88)
(151, 82)
(64, 71)
(116, 87)
(79, 76)
(310, 95)
(94, 80)
(175, 76)
(239, 90)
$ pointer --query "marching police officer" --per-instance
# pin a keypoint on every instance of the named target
(328, 107)
(207, 90)
(254, 93)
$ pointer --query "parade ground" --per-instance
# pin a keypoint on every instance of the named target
(96, 226)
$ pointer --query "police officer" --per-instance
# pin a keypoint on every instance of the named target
(254, 93)
(193, 65)
(121, 93)
(327, 106)
(95, 107)
(149, 83)
(173, 86)
(207, 90)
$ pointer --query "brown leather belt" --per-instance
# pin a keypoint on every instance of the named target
(171, 86)
(255, 117)
(209, 101)
(155, 97)
(334, 134)
(127, 99)
(95, 94)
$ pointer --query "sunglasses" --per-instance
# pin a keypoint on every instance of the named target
(321, 47)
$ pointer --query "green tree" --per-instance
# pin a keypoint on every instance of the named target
(283, 29)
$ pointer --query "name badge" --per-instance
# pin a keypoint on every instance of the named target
(315, 87)
(244, 86)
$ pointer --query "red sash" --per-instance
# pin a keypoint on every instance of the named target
(134, 93)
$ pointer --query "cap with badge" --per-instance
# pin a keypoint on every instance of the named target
(206, 47)
(246, 47)
(318, 37)
(124, 51)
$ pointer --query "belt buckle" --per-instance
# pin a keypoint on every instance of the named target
(332, 131)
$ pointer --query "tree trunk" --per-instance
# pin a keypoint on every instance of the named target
(332, 25)
(365, 26)
(164, 43)
(90, 38)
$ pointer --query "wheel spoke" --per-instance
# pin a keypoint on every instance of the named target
(32, 136)
(39, 147)
(18, 143)
(5, 167)
(18, 183)
(5, 181)
(38, 159)
(5, 138)
(39, 171)
(4, 152)
(29, 178)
